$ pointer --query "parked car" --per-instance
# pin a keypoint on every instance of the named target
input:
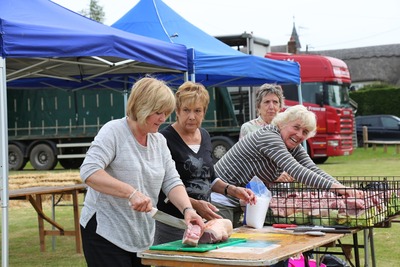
(380, 127)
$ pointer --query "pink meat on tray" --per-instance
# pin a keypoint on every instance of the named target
(215, 231)
(192, 235)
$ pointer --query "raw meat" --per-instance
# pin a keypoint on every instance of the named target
(216, 230)
(327, 208)
(192, 235)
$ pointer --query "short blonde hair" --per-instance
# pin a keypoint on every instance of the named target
(148, 96)
(298, 112)
(190, 93)
(267, 89)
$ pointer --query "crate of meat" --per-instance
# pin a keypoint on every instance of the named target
(388, 188)
(295, 203)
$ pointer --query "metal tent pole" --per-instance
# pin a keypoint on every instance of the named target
(299, 93)
(4, 163)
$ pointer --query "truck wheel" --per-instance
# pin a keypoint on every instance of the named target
(320, 160)
(16, 160)
(42, 157)
(71, 163)
(220, 145)
(317, 160)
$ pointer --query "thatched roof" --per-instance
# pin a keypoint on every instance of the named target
(366, 64)
(373, 63)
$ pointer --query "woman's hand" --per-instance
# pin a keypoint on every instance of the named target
(140, 202)
(351, 192)
(191, 218)
(206, 210)
(347, 191)
(239, 192)
(285, 178)
(242, 193)
(243, 204)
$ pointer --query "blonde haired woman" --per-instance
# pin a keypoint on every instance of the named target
(125, 168)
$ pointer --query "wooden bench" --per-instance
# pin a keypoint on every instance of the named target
(374, 143)
(34, 196)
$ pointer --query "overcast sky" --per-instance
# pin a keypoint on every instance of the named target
(321, 25)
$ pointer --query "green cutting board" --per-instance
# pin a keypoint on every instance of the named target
(178, 246)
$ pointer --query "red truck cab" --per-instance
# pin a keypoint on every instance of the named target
(325, 83)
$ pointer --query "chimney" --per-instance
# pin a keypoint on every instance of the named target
(294, 42)
(291, 46)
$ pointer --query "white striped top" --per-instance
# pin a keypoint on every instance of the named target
(264, 154)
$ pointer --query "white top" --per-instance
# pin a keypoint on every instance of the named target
(148, 169)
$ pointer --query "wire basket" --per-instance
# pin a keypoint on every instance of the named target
(388, 188)
(295, 203)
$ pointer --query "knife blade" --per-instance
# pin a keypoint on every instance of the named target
(167, 219)
(301, 228)
(321, 229)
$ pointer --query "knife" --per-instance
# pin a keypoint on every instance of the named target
(167, 219)
(321, 229)
(284, 225)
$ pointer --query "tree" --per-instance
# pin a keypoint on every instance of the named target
(94, 12)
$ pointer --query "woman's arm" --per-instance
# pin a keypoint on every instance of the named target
(179, 197)
(346, 191)
(294, 162)
(242, 193)
(304, 159)
(205, 209)
(102, 182)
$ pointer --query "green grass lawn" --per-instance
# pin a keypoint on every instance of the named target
(24, 237)
(24, 248)
(365, 163)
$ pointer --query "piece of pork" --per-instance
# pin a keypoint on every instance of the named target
(216, 230)
(192, 235)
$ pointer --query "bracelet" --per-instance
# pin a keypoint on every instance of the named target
(185, 209)
(131, 195)
(226, 189)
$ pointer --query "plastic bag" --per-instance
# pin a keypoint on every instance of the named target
(300, 262)
(254, 215)
(333, 261)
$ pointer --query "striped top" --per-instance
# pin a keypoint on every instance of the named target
(265, 155)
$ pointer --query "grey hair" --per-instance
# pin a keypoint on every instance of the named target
(267, 89)
(299, 112)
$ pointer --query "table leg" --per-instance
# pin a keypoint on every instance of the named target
(356, 251)
(371, 241)
(42, 239)
(317, 257)
(53, 216)
(366, 247)
(75, 204)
